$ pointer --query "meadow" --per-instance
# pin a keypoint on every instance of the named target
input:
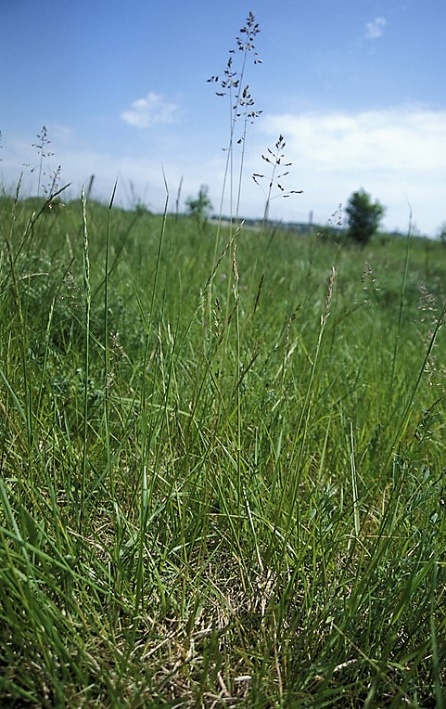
(222, 464)
(222, 452)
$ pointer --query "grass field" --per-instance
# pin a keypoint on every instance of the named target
(222, 465)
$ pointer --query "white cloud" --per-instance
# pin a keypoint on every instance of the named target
(375, 29)
(152, 109)
(399, 155)
(392, 140)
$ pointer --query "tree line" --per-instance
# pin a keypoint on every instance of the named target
(363, 215)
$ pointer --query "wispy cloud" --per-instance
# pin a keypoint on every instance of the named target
(151, 109)
(375, 29)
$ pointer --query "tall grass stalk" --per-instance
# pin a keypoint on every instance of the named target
(241, 105)
(401, 303)
(86, 373)
(107, 338)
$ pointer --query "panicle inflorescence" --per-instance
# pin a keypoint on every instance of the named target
(329, 295)
(43, 151)
(427, 305)
(242, 106)
(231, 83)
(433, 318)
(275, 158)
(369, 283)
(337, 218)
(246, 43)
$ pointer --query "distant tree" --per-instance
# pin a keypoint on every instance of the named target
(201, 206)
(363, 217)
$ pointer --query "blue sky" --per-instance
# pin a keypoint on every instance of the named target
(356, 87)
